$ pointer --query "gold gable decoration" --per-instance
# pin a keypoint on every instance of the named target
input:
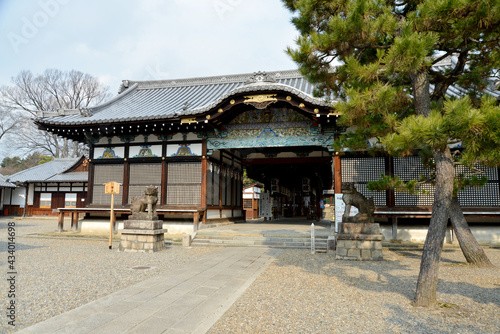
(260, 101)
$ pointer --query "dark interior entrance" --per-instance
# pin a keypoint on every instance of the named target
(295, 177)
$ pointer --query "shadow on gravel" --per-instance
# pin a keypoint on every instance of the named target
(386, 281)
(424, 323)
(18, 246)
(3, 224)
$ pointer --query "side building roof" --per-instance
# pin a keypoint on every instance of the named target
(4, 183)
(50, 171)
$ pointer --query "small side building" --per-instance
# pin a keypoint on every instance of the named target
(251, 196)
(4, 184)
(60, 183)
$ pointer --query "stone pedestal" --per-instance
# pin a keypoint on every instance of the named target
(146, 236)
(359, 241)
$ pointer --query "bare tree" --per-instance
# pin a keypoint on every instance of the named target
(8, 120)
(52, 90)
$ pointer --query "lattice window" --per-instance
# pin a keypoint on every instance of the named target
(141, 176)
(480, 196)
(410, 168)
(216, 178)
(362, 170)
(224, 187)
(104, 174)
(46, 200)
(247, 203)
(184, 183)
(210, 185)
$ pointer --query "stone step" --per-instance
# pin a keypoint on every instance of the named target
(278, 242)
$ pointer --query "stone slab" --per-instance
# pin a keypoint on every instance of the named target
(143, 224)
(141, 216)
(376, 237)
(359, 228)
(143, 232)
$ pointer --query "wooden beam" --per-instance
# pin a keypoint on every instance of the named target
(90, 184)
(126, 182)
(164, 174)
(74, 221)
(277, 161)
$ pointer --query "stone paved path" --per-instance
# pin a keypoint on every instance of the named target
(187, 300)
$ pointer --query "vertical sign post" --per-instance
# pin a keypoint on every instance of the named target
(112, 188)
(313, 240)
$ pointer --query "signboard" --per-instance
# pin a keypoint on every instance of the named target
(340, 209)
(265, 205)
(112, 188)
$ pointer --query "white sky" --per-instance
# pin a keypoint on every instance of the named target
(115, 40)
(144, 39)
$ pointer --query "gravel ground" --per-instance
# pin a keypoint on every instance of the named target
(57, 275)
(304, 293)
(298, 293)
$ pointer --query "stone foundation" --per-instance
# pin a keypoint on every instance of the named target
(357, 241)
(143, 236)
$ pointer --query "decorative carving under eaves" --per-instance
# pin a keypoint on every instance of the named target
(91, 139)
(127, 138)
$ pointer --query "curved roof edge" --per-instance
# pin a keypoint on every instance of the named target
(259, 87)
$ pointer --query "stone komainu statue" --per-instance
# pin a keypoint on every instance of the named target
(352, 197)
(147, 202)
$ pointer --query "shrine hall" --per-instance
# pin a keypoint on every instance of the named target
(193, 139)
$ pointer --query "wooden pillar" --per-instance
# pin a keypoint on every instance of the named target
(90, 184)
(60, 222)
(196, 220)
(164, 174)
(126, 182)
(204, 175)
(220, 189)
(337, 173)
(74, 221)
(394, 228)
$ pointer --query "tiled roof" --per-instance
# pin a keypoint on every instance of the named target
(4, 183)
(44, 171)
(163, 99)
(70, 177)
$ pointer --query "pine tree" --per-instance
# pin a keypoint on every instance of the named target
(390, 84)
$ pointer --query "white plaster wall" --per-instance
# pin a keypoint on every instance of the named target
(227, 213)
(179, 228)
(483, 234)
(101, 227)
(213, 214)
(18, 197)
(31, 193)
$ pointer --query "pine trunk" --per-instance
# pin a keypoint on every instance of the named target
(429, 267)
(474, 254)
